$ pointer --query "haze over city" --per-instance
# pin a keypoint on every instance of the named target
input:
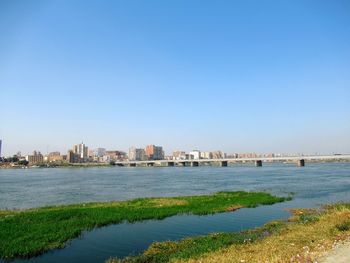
(252, 76)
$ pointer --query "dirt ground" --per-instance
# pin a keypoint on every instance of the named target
(340, 254)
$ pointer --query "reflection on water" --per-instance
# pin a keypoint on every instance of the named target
(313, 185)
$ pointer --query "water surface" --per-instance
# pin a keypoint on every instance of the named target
(313, 185)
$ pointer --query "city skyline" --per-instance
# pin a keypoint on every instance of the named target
(237, 77)
(78, 148)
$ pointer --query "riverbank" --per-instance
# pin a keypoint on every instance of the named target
(306, 237)
(25, 233)
(55, 165)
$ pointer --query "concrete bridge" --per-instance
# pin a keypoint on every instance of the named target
(298, 160)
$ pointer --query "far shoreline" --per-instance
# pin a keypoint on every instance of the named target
(106, 165)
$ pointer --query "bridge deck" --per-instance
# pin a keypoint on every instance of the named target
(232, 160)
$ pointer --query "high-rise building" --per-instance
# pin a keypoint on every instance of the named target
(0, 147)
(54, 157)
(196, 154)
(36, 158)
(206, 155)
(81, 151)
(154, 152)
(117, 155)
(99, 152)
(179, 155)
(137, 154)
(218, 155)
(72, 157)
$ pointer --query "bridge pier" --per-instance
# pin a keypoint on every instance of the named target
(258, 163)
(193, 164)
(298, 160)
(170, 164)
(301, 163)
(223, 164)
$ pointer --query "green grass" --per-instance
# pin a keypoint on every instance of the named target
(32, 232)
(344, 226)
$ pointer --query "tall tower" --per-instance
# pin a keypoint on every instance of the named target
(82, 151)
(0, 147)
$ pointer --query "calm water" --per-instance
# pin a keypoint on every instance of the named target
(313, 185)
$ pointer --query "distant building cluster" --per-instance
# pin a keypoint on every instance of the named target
(150, 152)
(196, 155)
(80, 153)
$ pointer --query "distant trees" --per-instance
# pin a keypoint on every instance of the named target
(23, 162)
(13, 159)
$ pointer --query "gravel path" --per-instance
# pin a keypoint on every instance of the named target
(341, 254)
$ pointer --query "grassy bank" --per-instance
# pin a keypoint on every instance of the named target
(305, 238)
(31, 232)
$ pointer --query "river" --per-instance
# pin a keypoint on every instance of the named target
(312, 185)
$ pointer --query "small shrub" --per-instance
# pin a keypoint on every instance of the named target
(345, 226)
(309, 218)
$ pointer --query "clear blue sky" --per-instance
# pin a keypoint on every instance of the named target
(240, 76)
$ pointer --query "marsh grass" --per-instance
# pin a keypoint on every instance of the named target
(31, 232)
(195, 247)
